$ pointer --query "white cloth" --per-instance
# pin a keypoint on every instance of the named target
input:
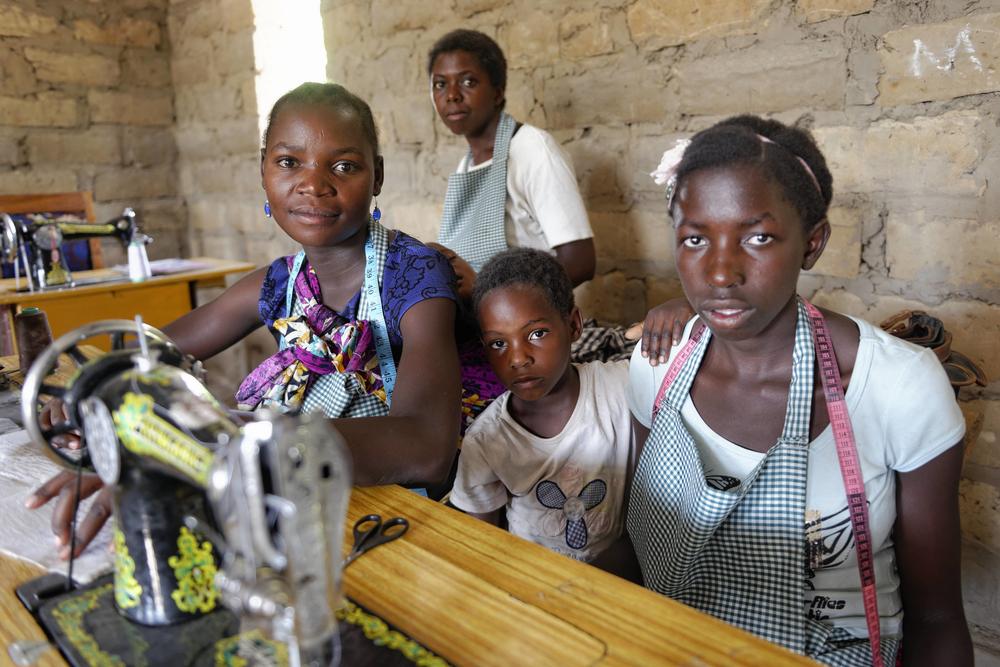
(27, 534)
(904, 414)
(502, 463)
(544, 208)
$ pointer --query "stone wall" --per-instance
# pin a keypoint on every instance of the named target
(901, 96)
(213, 73)
(86, 103)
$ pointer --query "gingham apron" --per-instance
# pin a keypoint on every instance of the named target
(739, 555)
(473, 220)
(341, 394)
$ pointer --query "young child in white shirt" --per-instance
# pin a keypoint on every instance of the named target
(554, 449)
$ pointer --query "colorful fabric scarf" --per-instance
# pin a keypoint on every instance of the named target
(316, 343)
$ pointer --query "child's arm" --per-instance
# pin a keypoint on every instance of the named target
(419, 439)
(492, 518)
(927, 539)
(219, 324)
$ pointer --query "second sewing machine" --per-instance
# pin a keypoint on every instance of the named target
(35, 243)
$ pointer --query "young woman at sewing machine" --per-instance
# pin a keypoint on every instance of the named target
(738, 504)
(363, 317)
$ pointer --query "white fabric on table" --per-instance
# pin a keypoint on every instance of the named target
(27, 534)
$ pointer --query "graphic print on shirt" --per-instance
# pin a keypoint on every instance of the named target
(829, 541)
(550, 495)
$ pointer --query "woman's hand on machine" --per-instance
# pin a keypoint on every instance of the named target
(54, 412)
(662, 328)
(62, 488)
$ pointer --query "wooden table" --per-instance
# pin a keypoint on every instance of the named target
(160, 299)
(15, 621)
(478, 596)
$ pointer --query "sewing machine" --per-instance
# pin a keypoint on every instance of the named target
(207, 511)
(36, 242)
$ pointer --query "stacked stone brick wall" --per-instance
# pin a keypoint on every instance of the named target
(86, 103)
(218, 140)
(902, 97)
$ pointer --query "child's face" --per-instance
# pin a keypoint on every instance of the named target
(462, 92)
(319, 173)
(740, 246)
(527, 340)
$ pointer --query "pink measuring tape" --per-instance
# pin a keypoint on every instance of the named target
(850, 470)
(676, 365)
(847, 455)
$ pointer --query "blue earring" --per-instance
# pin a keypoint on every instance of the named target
(376, 214)
(267, 208)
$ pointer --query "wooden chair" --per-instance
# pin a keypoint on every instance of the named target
(81, 203)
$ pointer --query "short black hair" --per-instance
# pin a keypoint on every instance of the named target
(737, 141)
(487, 52)
(326, 94)
(526, 267)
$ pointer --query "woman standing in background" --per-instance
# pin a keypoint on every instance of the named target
(516, 186)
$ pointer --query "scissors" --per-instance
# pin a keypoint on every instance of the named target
(370, 532)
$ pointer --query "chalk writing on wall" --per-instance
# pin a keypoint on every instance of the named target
(946, 61)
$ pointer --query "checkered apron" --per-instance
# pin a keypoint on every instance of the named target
(739, 555)
(473, 220)
(340, 394)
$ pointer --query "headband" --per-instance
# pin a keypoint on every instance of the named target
(805, 165)
(666, 172)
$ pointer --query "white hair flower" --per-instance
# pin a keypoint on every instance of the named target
(667, 170)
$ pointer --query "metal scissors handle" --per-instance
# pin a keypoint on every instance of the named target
(370, 532)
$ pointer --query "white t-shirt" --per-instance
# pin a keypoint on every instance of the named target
(503, 464)
(544, 208)
(903, 413)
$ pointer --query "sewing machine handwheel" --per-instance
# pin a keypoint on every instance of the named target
(35, 386)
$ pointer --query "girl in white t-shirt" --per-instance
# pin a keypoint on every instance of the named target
(738, 506)
(550, 454)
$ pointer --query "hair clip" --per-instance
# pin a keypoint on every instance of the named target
(671, 188)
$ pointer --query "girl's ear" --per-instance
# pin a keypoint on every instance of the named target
(575, 324)
(498, 98)
(815, 243)
(379, 176)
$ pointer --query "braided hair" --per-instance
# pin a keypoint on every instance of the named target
(737, 141)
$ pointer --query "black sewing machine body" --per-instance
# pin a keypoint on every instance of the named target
(211, 518)
(151, 436)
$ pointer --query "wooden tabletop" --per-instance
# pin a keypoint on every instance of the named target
(478, 596)
(16, 623)
(212, 270)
